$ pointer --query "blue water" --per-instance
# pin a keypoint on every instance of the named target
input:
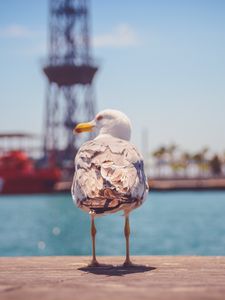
(174, 223)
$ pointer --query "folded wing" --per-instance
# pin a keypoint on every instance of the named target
(109, 175)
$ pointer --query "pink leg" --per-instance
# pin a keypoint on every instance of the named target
(127, 262)
(94, 262)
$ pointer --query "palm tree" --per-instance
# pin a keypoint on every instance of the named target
(216, 165)
(185, 161)
(174, 165)
(201, 161)
(158, 155)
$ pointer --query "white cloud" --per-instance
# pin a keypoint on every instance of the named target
(122, 36)
(36, 44)
(15, 31)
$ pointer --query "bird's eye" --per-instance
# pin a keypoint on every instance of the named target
(99, 118)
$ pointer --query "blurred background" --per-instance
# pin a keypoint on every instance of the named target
(160, 62)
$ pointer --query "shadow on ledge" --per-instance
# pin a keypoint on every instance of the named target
(119, 270)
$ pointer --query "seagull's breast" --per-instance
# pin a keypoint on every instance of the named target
(109, 176)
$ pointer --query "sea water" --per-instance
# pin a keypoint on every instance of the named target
(168, 223)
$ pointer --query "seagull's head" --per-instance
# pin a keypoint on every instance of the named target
(109, 121)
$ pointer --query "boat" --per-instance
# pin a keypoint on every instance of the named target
(20, 175)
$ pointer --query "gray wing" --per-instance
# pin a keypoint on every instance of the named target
(109, 173)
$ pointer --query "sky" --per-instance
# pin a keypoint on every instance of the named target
(161, 62)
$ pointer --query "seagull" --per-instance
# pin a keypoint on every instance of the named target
(109, 172)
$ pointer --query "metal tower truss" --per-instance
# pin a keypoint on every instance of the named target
(70, 72)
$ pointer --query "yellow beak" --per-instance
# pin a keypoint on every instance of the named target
(83, 127)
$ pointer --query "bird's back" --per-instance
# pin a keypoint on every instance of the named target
(109, 176)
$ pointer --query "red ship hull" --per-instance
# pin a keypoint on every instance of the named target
(18, 175)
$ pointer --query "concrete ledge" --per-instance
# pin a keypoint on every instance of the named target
(158, 277)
